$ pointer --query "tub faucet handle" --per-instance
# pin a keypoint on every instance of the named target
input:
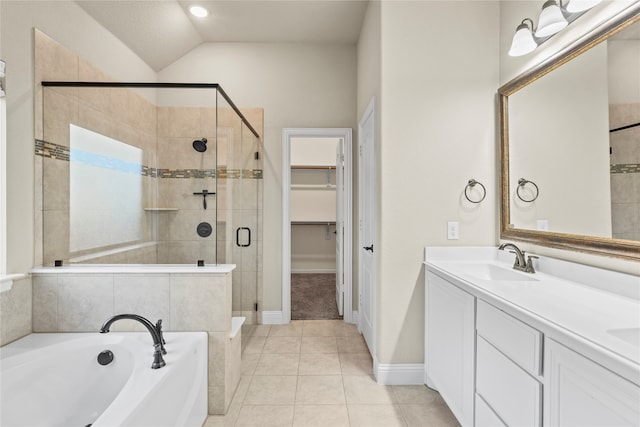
(158, 361)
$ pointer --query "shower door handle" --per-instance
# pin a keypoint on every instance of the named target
(238, 237)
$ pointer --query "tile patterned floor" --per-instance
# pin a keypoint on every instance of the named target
(319, 373)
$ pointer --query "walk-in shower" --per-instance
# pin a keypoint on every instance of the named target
(151, 173)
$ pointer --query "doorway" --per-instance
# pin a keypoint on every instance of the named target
(317, 221)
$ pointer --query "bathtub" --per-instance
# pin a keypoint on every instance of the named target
(56, 380)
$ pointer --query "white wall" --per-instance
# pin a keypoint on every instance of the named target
(71, 26)
(298, 85)
(439, 77)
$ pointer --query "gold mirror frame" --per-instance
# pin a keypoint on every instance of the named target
(619, 248)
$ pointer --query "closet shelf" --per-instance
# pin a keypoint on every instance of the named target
(313, 187)
(160, 209)
(313, 223)
(312, 167)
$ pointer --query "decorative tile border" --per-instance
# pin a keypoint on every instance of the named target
(51, 150)
(626, 168)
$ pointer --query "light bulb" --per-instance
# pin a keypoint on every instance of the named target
(523, 41)
(551, 20)
(198, 11)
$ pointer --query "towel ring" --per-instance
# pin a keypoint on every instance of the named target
(521, 183)
(472, 183)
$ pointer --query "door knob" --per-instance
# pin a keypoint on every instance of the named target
(368, 248)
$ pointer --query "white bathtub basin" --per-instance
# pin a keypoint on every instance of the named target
(55, 380)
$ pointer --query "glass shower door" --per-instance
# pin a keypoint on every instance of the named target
(239, 188)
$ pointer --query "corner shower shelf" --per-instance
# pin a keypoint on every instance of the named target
(160, 209)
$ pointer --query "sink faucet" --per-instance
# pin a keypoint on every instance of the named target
(520, 263)
(154, 330)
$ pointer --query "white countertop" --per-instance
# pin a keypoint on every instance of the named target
(136, 268)
(597, 310)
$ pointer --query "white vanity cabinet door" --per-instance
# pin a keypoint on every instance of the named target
(485, 417)
(582, 393)
(517, 340)
(514, 395)
(449, 345)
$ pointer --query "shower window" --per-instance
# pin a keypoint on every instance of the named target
(105, 192)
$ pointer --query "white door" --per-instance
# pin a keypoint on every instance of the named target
(367, 199)
(340, 226)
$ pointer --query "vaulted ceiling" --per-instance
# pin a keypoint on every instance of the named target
(162, 31)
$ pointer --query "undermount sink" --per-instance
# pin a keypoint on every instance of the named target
(494, 272)
(630, 335)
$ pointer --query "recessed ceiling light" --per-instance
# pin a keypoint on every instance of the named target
(198, 11)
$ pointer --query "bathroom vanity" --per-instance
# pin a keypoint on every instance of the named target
(506, 348)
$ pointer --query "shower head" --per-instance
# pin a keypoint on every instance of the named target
(200, 145)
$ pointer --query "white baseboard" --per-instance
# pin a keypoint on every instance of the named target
(398, 373)
(272, 318)
(355, 319)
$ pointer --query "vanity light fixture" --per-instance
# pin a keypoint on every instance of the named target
(554, 17)
(198, 11)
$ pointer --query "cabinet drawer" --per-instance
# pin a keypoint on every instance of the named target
(513, 394)
(485, 417)
(519, 341)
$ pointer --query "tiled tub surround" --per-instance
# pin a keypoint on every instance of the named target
(81, 298)
(15, 310)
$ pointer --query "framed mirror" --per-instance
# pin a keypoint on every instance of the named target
(569, 132)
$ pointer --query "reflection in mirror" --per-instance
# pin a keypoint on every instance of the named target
(578, 144)
(624, 122)
(571, 125)
(558, 138)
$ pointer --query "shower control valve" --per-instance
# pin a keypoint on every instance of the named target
(204, 194)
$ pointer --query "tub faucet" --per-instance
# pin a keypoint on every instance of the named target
(521, 263)
(154, 330)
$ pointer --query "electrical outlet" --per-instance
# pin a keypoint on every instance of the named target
(542, 225)
(453, 230)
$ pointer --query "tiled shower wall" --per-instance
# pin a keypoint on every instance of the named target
(172, 169)
(118, 113)
(183, 171)
(625, 171)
